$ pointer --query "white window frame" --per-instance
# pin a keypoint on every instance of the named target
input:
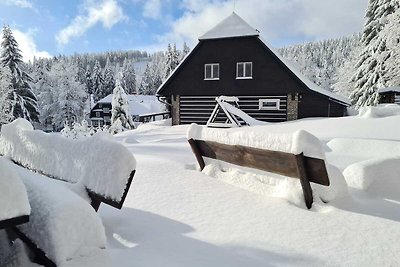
(106, 110)
(97, 114)
(212, 71)
(261, 102)
(244, 77)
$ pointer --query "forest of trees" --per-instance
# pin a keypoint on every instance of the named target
(52, 92)
(64, 88)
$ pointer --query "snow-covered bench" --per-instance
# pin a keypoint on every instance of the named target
(297, 155)
(66, 181)
(14, 204)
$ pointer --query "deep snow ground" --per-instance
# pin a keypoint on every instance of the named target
(175, 215)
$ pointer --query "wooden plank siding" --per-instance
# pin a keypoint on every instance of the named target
(197, 109)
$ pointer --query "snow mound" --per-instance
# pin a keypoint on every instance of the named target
(378, 176)
(259, 137)
(61, 223)
(98, 162)
(275, 185)
(380, 111)
(13, 196)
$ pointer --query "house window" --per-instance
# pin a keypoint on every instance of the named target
(244, 70)
(97, 114)
(107, 118)
(269, 104)
(106, 110)
(211, 71)
(100, 105)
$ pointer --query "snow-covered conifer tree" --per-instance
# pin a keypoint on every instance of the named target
(185, 50)
(23, 101)
(129, 77)
(97, 81)
(120, 117)
(392, 31)
(108, 80)
(5, 91)
(371, 67)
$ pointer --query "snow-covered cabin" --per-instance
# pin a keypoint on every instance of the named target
(139, 105)
(389, 95)
(233, 60)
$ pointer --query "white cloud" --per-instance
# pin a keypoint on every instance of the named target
(19, 3)
(27, 45)
(278, 21)
(107, 12)
(152, 9)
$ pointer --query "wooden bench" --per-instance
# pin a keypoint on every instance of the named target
(24, 142)
(307, 169)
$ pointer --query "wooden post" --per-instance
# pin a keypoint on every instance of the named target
(305, 183)
(196, 152)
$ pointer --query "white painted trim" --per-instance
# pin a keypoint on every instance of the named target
(212, 71)
(277, 104)
(244, 70)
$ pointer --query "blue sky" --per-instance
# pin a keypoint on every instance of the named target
(51, 27)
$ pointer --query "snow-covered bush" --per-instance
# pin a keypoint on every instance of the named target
(81, 129)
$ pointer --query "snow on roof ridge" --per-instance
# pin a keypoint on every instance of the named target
(389, 89)
(310, 84)
(232, 26)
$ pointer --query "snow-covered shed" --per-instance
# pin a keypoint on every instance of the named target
(139, 105)
(233, 60)
(389, 95)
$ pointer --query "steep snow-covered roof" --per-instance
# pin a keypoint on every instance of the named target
(389, 89)
(139, 104)
(232, 26)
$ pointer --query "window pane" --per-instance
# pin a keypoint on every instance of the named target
(208, 72)
(248, 71)
(216, 71)
(240, 70)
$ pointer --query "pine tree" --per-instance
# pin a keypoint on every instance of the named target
(128, 77)
(120, 117)
(5, 91)
(23, 100)
(97, 81)
(145, 85)
(392, 31)
(185, 50)
(371, 67)
(108, 80)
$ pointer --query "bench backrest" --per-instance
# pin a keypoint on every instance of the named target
(307, 169)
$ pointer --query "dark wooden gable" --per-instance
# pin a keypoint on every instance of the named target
(270, 77)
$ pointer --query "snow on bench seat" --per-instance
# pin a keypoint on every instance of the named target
(266, 183)
(14, 204)
(62, 223)
(99, 163)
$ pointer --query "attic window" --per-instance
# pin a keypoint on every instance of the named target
(244, 70)
(211, 71)
(269, 104)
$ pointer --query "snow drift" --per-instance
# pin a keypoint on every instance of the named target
(98, 162)
(379, 111)
(378, 176)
